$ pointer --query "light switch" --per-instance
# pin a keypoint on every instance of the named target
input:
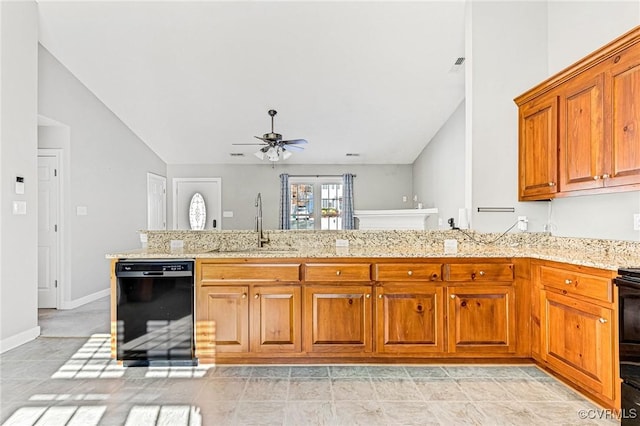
(20, 207)
(19, 185)
(81, 210)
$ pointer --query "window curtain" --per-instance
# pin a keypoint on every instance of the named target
(285, 199)
(348, 221)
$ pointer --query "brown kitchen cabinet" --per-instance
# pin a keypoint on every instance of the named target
(538, 147)
(410, 318)
(590, 111)
(577, 335)
(578, 342)
(338, 318)
(481, 319)
(222, 320)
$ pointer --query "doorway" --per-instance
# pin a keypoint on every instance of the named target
(49, 248)
(156, 202)
(184, 190)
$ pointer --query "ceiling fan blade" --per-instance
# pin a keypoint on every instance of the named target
(295, 142)
(260, 144)
(293, 148)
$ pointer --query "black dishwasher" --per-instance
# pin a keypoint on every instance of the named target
(154, 312)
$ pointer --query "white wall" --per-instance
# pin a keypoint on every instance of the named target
(18, 152)
(508, 56)
(575, 30)
(108, 175)
(375, 187)
(438, 172)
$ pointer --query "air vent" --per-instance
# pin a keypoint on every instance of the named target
(352, 154)
(237, 154)
(457, 65)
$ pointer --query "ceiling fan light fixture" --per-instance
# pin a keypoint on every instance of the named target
(259, 154)
(285, 154)
(273, 153)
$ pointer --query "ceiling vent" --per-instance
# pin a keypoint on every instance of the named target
(352, 154)
(237, 154)
(457, 65)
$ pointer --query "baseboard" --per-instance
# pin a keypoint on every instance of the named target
(19, 339)
(72, 304)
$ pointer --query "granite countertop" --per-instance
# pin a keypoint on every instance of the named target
(611, 260)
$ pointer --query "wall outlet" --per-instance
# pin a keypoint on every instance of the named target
(522, 223)
(636, 221)
(404, 199)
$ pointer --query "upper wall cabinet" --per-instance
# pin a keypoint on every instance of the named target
(579, 131)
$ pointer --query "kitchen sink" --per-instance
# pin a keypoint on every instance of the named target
(265, 250)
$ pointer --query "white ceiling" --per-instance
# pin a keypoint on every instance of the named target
(191, 79)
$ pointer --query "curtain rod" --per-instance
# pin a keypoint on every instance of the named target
(317, 176)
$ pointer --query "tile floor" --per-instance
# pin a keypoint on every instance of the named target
(71, 380)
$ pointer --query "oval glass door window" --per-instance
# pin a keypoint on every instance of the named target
(197, 212)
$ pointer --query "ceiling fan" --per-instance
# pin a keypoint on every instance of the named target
(274, 146)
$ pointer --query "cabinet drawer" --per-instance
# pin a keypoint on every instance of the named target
(577, 283)
(212, 273)
(479, 272)
(338, 272)
(408, 272)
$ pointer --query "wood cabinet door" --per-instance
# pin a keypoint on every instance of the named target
(577, 341)
(582, 133)
(623, 79)
(338, 318)
(275, 319)
(538, 149)
(410, 318)
(223, 319)
(482, 319)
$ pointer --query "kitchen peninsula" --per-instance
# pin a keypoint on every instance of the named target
(396, 296)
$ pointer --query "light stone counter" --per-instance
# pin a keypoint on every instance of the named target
(604, 254)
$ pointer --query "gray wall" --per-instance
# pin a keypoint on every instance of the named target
(108, 175)
(508, 56)
(375, 187)
(18, 152)
(439, 173)
(574, 32)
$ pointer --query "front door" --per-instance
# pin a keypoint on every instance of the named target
(183, 191)
(48, 199)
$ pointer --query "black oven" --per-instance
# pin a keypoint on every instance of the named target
(155, 324)
(628, 283)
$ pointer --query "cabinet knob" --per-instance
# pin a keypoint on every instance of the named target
(380, 296)
(337, 272)
(409, 273)
(606, 176)
(244, 295)
(603, 320)
(368, 296)
(482, 273)
(552, 184)
(257, 296)
(596, 177)
(568, 281)
(453, 296)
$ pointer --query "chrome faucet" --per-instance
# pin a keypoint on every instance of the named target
(261, 237)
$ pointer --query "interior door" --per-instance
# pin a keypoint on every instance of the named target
(183, 191)
(156, 202)
(48, 250)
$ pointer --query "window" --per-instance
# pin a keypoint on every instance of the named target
(316, 203)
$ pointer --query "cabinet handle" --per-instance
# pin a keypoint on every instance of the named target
(257, 296)
(337, 272)
(368, 296)
(409, 273)
(453, 296)
(244, 295)
(482, 273)
(568, 281)
(606, 176)
(603, 320)
(552, 184)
